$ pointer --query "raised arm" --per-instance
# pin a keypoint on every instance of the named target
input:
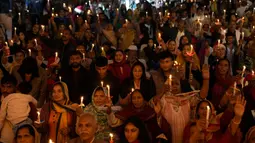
(206, 77)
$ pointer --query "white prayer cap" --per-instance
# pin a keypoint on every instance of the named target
(132, 47)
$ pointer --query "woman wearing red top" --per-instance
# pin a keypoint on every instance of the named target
(210, 128)
(119, 68)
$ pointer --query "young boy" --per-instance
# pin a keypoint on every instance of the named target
(15, 107)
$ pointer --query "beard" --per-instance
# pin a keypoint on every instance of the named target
(75, 65)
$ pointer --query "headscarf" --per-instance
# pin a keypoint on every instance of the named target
(36, 137)
(248, 134)
(63, 110)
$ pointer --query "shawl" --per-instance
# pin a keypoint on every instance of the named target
(37, 136)
(145, 113)
(63, 118)
(101, 116)
(116, 70)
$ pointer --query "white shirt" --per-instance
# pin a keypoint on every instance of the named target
(178, 37)
(15, 108)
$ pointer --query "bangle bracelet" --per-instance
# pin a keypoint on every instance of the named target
(237, 123)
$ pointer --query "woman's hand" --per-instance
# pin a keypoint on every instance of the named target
(239, 106)
(201, 124)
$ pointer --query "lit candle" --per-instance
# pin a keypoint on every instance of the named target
(132, 89)
(102, 83)
(61, 34)
(52, 9)
(244, 67)
(218, 42)
(146, 13)
(60, 78)
(19, 15)
(70, 9)
(126, 21)
(43, 27)
(224, 13)
(52, 14)
(83, 56)
(6, 43)
(252, 72)
(207, 115)
(160, 14)
(50, 141)
(92, 47)
(242, 35)
(88, 12)
(155, 45)
(15, 29)
(254, 10)
(111, 138)
(108, 89)
(35, 42)
(38, 117)
(86, 22)
(191, 48)
(56, 56)
(98, 18)
(81, 104)
(170, 80)
(29, 52)
(56, 15)
(64, 5)
(159, 35)
(234, 89)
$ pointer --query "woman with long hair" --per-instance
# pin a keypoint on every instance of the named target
(139, 81)
(134, 131)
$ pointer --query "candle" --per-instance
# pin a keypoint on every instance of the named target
(29, 52)
(146, 13)
(86, 22)
(56, 56)
(70, 9)
(83, 56)
(160, 14)
(60, 78)
(224, 13)
(244, 67)
(234, 89)
(35, 42)
(218, 42)
(108, 89)
(43, 27)
(52, 9)
(64, 5)
(102, 83)
(254, 10)
(15, 29)
(159, 35)
(81, 104)
(56, 15)
(111, 137)
(88, 12)
(6, 43)
(242, 35)
(155, 45)
(252, 72)
(126, 21)
(19, 15)
(38, 117)
(207, 115)
(61, 34)
(191, 48)
(170, 80)
(92, 47)
(50, 141)
(132, 89)
(52, 14)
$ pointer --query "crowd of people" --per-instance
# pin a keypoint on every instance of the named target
(87, 72)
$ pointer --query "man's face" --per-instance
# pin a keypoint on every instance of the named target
(7, 89)
(66, 35)
(102, 70)
(166, 64)
(75, 61)
(86, 128)
(132, 55)
(36, 28)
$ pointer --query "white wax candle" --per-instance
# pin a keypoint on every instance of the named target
(244, 67)
(35, 42)
(126, 21)
(252, 72)
(60, 78)
(102, 83)
(38, 117)
(146, 13)
(224, 13)
(43, 27)
(29, 52)
(92, 47)
(191, 48)
(64, 5)
(170, 80)
(111, 137)
(159, 35)
(83, 56)
(50, 141)
(218, 42)
(207, 113)
(234, 90)
(52, 9)
(82, 98)
(15, 29)
(109, 93)
(70, 9)
(132, 89)
(242, 35)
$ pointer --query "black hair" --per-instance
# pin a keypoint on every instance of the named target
(24, 87)
(9, 79)
(165, 54)
(20, 51)
(143, 137)
(198, 105)
(29, 127)
(29, 66)
(101, 61)
(138, 63)
(74, 53)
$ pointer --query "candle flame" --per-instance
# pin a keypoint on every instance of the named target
(111, 135)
